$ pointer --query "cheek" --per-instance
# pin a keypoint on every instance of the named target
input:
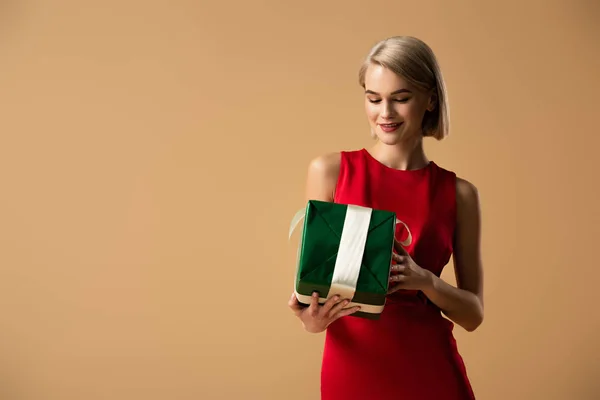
(371, 111)
(411, 112)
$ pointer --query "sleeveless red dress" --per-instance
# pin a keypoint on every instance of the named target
(409, 353)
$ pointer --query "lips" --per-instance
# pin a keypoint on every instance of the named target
(390, 127)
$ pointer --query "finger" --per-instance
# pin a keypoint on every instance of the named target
(398, 268)
(293, 301)
(330, 303)
(313, 309)
(399, 248)
(338, 307)
(294, 304)
(398, 278)
(346, 311)
(398, 258)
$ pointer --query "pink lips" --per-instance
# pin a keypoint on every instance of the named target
(389, 127)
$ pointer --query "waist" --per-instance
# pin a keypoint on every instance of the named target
(409, 298)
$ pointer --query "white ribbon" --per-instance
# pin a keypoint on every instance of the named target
(299, 216)
(350, 253)
(408, 240)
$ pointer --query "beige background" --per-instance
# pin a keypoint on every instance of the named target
(140, 147)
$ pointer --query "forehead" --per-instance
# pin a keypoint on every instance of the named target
(384, 81)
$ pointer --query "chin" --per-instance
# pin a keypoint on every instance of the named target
(391, 138)
(394, 138)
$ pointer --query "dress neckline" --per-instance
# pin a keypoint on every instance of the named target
(380, 165)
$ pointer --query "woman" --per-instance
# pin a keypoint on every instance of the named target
(410, 352)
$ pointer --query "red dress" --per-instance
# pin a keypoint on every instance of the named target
(409, 353)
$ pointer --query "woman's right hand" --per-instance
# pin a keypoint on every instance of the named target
(316, 317)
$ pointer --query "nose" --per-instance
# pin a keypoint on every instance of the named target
(387, 110)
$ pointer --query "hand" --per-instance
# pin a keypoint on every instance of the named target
(316, 318)
(406, 274)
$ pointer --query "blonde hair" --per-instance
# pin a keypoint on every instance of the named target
(414, 60)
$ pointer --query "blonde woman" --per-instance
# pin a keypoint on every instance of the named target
(410, 352)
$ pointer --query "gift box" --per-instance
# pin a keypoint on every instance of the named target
(344, 250)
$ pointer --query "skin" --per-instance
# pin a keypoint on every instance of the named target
(391, 99)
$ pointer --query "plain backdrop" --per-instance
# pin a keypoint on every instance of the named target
(153, 153)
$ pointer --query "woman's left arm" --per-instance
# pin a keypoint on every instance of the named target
(463, 304)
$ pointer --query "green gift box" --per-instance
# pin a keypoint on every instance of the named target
(345, 250)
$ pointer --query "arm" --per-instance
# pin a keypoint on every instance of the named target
(322, 176)
(321, 182)
(463, 304)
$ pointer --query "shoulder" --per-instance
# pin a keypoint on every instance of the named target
(326, 164)
(329, 166)
(467, 202)
(322, 176)
(466, 192)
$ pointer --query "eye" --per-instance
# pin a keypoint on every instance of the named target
(402, 100)
(374, 101)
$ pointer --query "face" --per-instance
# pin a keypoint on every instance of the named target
(394, 107)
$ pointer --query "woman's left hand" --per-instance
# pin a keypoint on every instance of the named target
(406, 274)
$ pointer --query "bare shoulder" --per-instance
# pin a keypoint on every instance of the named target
(322, 176)
(326, 164)
(467, 194)
(467, 207)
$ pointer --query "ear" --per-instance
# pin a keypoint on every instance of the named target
(432, 102)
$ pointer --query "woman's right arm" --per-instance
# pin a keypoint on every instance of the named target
(321, 183)
(322, 176)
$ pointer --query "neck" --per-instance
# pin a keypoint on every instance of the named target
(408, 155)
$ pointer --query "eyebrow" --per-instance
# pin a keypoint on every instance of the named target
(395, 92)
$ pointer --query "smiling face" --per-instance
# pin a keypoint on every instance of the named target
(394, 107)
